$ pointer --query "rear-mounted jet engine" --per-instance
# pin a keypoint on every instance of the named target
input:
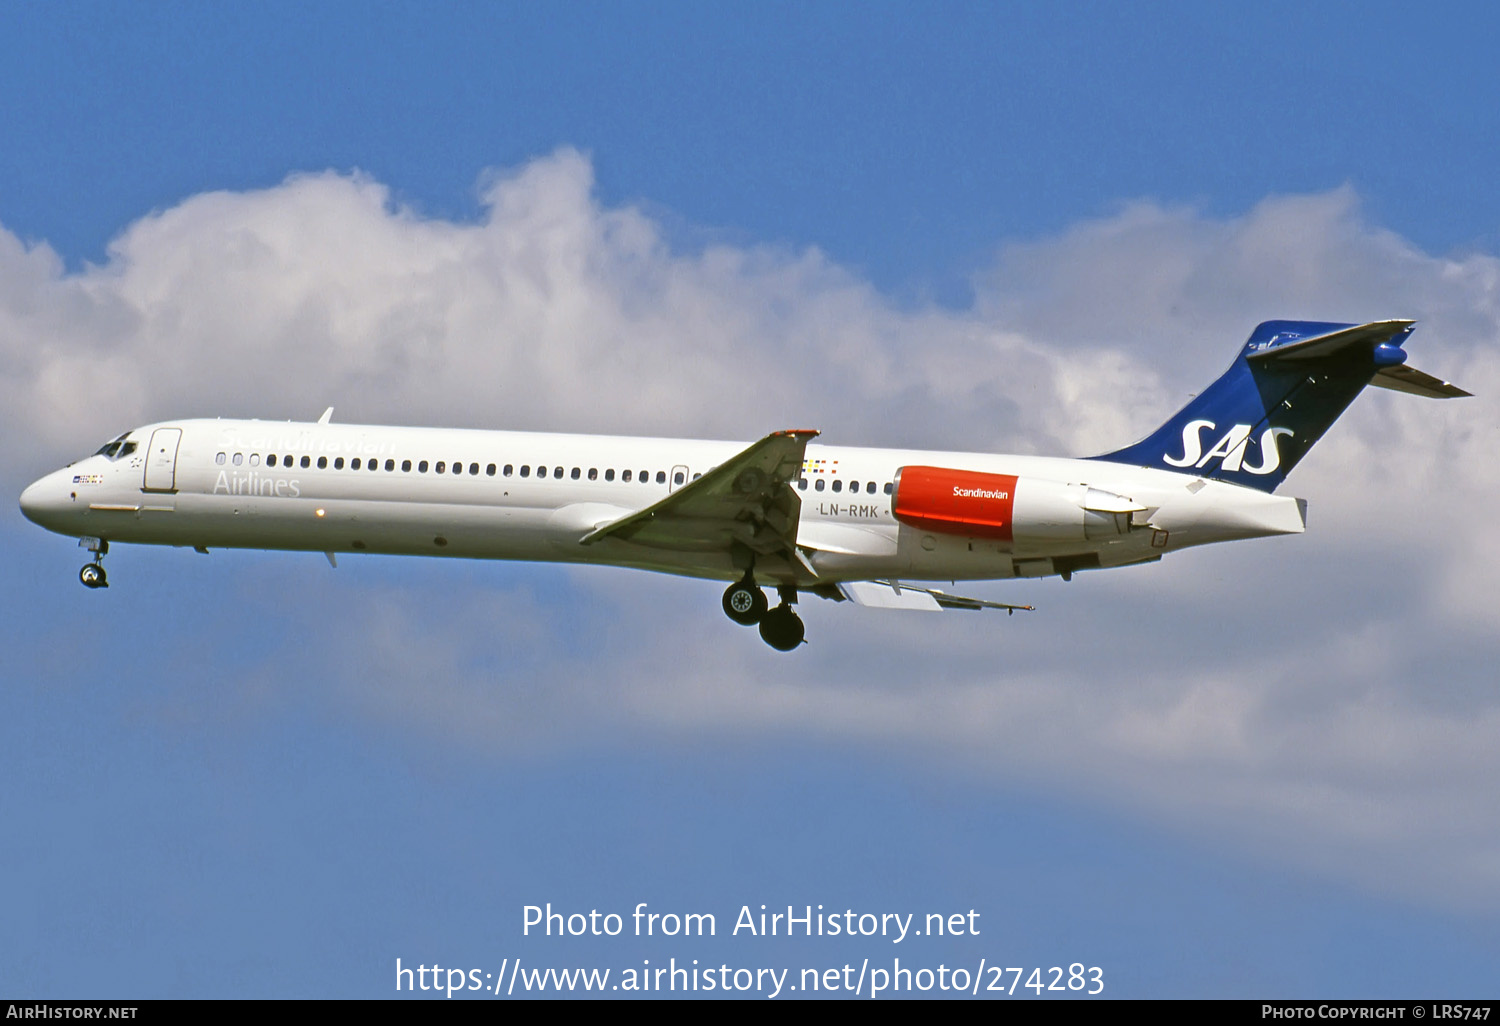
(1024, 512)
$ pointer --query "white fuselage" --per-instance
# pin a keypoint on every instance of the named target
(338, 488)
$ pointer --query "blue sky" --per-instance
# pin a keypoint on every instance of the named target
(1257, 771)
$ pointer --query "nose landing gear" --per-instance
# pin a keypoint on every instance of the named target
(92, 575)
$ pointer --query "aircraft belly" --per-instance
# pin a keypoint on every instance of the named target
(351, 525)
(932, 556)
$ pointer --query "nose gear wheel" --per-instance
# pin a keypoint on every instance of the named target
(92, 575)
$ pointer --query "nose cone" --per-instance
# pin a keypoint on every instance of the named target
(31, 501)
(49, 501)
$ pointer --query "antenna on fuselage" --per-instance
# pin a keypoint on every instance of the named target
(327, 416)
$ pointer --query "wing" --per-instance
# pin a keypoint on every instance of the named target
(899, 595)
(747, 500)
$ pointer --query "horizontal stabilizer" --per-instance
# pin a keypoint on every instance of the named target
(1413, 381)
(1397, 377)
(1333, 343)
(897, 595)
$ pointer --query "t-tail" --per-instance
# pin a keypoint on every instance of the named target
(1286, 387)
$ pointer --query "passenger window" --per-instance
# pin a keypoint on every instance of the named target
(819, 485)
(838, 485)
(271, 460)
(473, 469)
(869, 487)
(255, 459)
(661, 477)
(625, 475)
(557, 472)
(338, 464)
(323, 463)
(239, 458)
(609, 475)
(219, 459)
(697, 476)
(802, 484)
(508, 469)
(306, 462)
(354, 463)
(490, 470)
(575, 473)
(541, 471)
(645, 477)
(889, 488)
(854, 486)
(422, 467)
(389, 464)
(679, 477)
(593, 473)
(525, 470)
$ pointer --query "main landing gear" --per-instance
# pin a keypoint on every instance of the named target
(92, 575)
(744, 602)
(781, 628)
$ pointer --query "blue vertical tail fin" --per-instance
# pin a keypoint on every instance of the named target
(1285, 388)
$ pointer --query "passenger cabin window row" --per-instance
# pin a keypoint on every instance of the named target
(679, 477)
(838, 486)
(356, 463)
(456, 467)
(459, 467)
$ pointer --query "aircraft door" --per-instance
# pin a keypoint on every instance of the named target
(678, 479)
(161, 460)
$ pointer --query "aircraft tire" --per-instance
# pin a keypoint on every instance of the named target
(92, 576)
(782, 629)
(744, 603)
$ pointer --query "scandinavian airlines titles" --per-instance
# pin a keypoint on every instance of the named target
(979, 493)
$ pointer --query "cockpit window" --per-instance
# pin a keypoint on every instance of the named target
(111, 447)
(117, 448)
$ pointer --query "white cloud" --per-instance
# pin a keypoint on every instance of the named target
(1325, 699)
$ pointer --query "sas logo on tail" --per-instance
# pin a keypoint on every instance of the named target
(1231, 447)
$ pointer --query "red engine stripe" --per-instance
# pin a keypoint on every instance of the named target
(962, 502)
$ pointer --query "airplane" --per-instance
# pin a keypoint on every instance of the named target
(836, 522)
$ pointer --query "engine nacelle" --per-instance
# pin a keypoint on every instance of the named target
(1006, 508)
